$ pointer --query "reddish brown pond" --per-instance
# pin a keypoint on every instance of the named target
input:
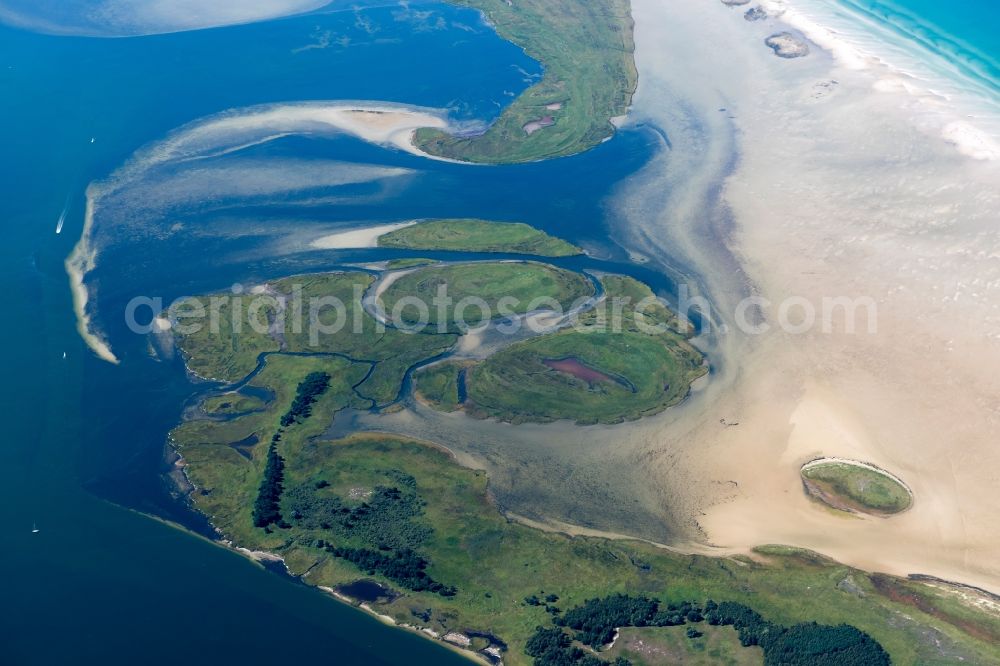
(574, 366)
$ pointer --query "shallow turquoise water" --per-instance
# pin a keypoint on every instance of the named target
(966, 33)
(974, 23)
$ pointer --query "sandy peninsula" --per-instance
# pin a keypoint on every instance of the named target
(807, 179)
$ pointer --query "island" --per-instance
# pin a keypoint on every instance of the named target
(587, 50)
(481, 291)
(399, 264)
(596, 372)
(855, 487)
(471, 235)
(602, 378)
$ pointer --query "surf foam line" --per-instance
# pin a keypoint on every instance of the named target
(386, 124)
(956, 87)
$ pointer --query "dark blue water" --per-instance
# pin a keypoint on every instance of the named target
(84, 440)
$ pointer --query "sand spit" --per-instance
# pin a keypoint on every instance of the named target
(384, 125)
(78, 264)
(838, 190)
(357, 238)
(380, 123)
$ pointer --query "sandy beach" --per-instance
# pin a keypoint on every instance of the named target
(357, 238)
(815, 178)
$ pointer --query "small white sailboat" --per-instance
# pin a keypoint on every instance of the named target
(64, 356)
(92, 139)
(34, 528)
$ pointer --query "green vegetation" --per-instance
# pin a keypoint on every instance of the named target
(385, 517)
(441, 513)
(226, 460)
(225, 347)
(526, 286)
(230, 349)
(381, 526)
(612, 369)
(855, 488)
(265, 508)
(804, 644)
(400, 264)
(231, 403)
(314, 385)
(405, 515)
(404, 568)
(595, 624)
(627, 358)
(704, 646)
(466, 235)
(438, 385)
(586, 47)
(643, 375)
(552, 647)
(639, 306)
(595, 620)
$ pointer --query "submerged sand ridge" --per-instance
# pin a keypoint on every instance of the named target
(837, 189)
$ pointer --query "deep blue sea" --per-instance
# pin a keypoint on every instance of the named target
(84, 439)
